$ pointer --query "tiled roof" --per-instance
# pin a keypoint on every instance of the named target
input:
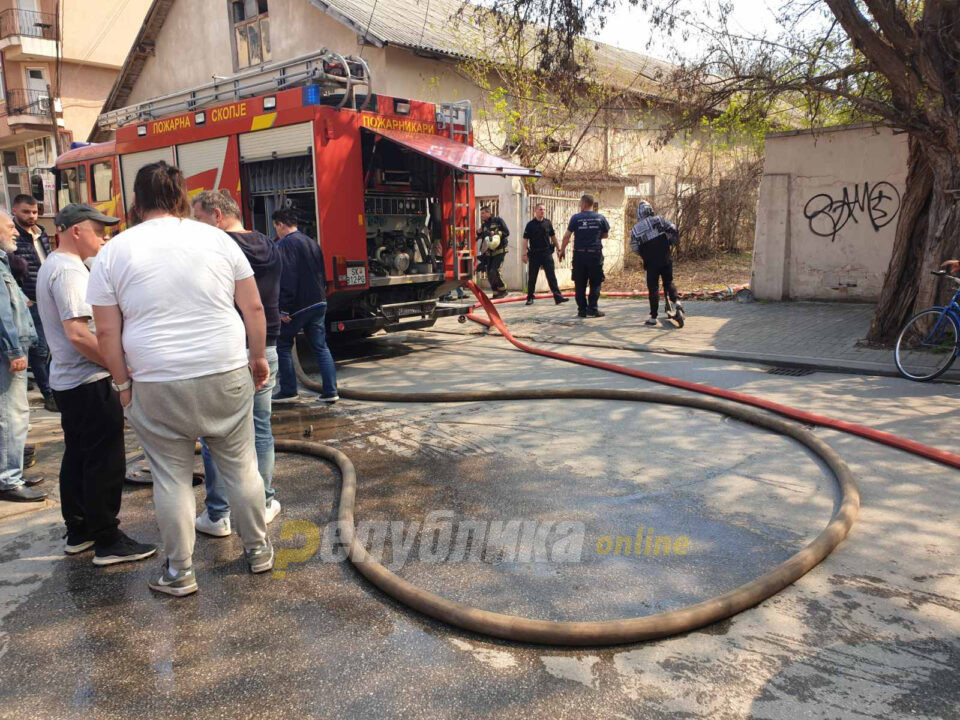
(443, 27)
(446, 27)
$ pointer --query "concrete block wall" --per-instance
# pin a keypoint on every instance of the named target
(827, 213)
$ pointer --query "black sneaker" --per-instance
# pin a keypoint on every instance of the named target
(123, 549)
(595, 313)
(500, 294)
(560, 300)
(77, 543)
(529, 301)
(50, 404)
(581, 313)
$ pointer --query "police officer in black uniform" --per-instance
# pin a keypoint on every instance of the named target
(540, 239)
(493, 227)
(588, 229)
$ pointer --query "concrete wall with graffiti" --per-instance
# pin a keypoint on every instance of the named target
(827, 212)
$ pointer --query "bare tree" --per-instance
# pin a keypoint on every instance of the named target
(541, 114)
(890, 61)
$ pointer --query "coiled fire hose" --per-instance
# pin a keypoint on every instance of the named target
(628, 630)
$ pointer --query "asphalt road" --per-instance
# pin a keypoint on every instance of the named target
(873, 632)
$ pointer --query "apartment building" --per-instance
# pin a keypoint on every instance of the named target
(58, 61)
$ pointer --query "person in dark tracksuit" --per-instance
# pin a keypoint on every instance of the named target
(588, 229)
(494, 233)
(539, 241)
(651, 238)
(33, 247)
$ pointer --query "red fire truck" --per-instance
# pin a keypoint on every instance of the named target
(385, 184)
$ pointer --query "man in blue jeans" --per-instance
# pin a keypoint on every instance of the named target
(16, 335)
(303, 306)
(33, 246)
(218, 208)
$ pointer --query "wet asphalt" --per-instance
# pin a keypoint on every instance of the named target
(872, 632)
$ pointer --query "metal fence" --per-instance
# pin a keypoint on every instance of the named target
(28, 102)
(29, 23)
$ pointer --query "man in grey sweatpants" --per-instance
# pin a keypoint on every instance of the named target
(168, 416)
(164, 296)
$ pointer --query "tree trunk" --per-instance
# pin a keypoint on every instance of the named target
(928, 230)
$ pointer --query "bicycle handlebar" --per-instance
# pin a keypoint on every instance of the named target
(944, 273)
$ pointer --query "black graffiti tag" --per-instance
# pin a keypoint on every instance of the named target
(827, 216)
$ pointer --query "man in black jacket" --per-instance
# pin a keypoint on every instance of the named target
(218, 208)
(539, 242)
(33, 246)
(303, 306)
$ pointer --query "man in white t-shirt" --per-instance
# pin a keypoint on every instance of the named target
(93, 462)
(163, 295)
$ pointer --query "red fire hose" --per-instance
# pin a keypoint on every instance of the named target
(627, 630)
(895, 441)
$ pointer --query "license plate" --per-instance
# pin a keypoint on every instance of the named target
(356, 276)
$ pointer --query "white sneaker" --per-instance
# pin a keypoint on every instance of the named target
(650, 321)
(273, 509)
(220, 528)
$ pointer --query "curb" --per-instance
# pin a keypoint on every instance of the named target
(778, 361)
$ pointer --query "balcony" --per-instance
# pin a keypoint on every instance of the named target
(28, 34)
(28, 102)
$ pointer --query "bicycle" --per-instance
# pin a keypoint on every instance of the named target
(930, 341)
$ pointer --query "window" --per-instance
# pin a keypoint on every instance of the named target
(67, 187)
(487, 201)
(101, 176)
(251, 31)
(40, 153)
(3, 85)
(643, 189)
(12, 179)
(82, 184)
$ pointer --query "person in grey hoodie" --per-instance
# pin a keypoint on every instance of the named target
(218, 208)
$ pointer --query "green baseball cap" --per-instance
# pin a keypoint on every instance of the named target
(78, 212)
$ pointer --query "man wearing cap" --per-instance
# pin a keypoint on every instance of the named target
(93, 463)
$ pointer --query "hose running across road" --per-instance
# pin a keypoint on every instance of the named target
(589, 633)
(808, 418)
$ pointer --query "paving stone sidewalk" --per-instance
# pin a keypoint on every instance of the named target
(822, 335)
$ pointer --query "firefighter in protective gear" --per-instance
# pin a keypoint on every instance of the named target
(651, 238)
(492, 238)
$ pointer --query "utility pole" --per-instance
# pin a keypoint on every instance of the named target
(51, 108)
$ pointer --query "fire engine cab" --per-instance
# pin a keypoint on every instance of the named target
(385, 184)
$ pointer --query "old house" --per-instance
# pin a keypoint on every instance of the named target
(418, 49)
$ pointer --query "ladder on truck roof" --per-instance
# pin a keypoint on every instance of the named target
(456, 119)
(332, 71)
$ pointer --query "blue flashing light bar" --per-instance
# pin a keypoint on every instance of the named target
(311, 94)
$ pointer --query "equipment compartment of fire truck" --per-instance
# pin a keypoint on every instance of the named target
(384, 184)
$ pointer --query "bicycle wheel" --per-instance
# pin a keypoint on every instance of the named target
(927, 345)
